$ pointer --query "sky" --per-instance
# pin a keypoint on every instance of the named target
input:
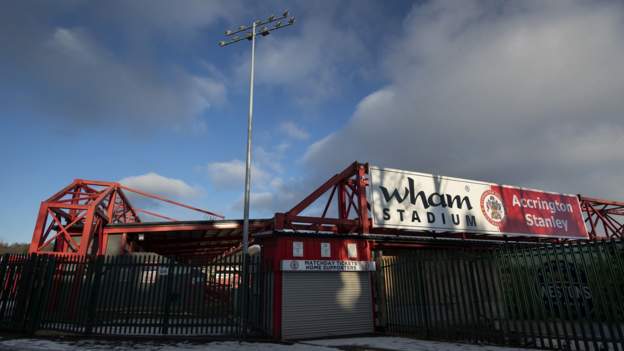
(527, 93)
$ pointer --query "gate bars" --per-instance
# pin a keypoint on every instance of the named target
(554, 296)
(134, 295)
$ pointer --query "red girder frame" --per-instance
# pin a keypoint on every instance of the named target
(347, 190)
(72, 221)
(603, 218)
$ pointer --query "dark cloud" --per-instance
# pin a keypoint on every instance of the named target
(527, 95)
(59, 61)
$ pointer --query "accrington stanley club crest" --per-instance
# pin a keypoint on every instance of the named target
(493, 208)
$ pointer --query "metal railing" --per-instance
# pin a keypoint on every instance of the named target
(563, 296)
(135, 295)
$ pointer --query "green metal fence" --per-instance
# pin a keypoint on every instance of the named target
(564, 296)
(135, 295)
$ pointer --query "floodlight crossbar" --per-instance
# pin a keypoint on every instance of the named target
(258, 23)
(249, 35)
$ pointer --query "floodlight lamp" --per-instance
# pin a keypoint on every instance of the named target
(291, 20)
(228, 32)
(278, 24)
(243, 27)
(236, 37)
(249, 36)
(285, 14)
(264, 31)
(271, 18)
(221, 43)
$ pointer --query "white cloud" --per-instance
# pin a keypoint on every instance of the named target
(280, 196)
(293, 131)
(156, 184)
(231, 174)
(94, 85)
(158, 16)
(312, 61)
(522, 93)
(105, 68)
(74, 44)
(269, 191)
(270, 159)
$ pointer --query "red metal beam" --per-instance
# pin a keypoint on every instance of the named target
(155, 214)
(173, 227)
(161, 198)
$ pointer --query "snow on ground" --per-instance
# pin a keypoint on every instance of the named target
(406, 344)
(352, 344)
(97, 345)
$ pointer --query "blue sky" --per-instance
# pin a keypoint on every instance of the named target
(515, 92)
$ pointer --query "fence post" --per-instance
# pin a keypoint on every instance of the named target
(35, 293)
(93, 278)
(4, 283)
(24, 292)
(244, 286)
(380, 303)
(40, 293)
(168, 296)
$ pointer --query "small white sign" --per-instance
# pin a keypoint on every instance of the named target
(325, 250)
(297, 248)
(327, 266)
(163, 270)
(352, 250)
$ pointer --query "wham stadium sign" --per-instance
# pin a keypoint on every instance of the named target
(418, 201)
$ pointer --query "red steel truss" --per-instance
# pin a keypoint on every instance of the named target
(78, 220)
(72, 221)
(346, 192)
(604, 218)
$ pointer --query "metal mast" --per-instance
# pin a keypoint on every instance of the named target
(249, 32)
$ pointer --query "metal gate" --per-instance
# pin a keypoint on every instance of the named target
(135, 295)
(565, 296)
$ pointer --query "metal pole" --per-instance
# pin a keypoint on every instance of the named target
(245, 282)
(234, 36)
(248, 160)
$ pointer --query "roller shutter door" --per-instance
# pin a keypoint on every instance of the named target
(319, 304)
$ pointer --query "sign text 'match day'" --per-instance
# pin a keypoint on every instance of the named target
(418, 201)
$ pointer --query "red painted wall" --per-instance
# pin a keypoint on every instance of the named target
(281, 248)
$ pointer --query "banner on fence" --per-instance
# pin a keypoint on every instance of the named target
(418, 201)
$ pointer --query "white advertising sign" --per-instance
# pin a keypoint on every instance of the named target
(352, 250)
(297, 247)
(325, 250)
(418, 201)
(327, 266)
